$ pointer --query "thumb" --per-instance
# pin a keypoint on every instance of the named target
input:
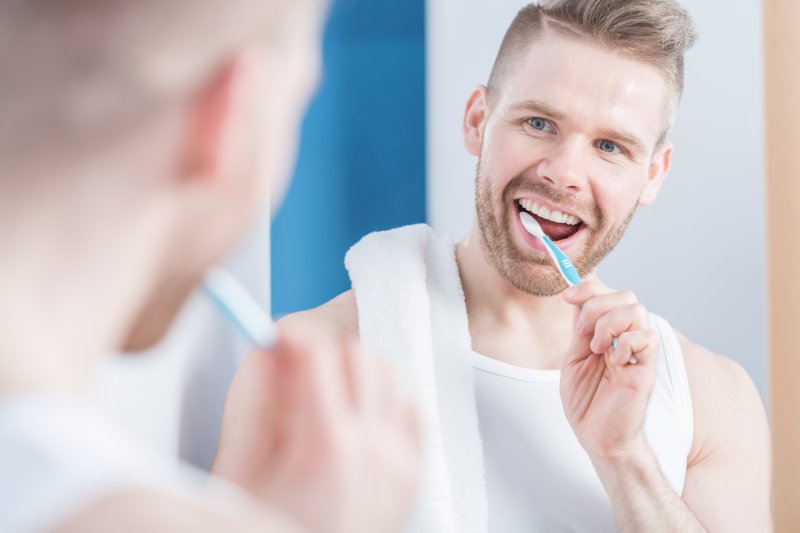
(249, 418)
(579, 344)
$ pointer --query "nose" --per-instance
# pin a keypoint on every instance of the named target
(564, 166)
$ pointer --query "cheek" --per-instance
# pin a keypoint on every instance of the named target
(502, 162)
(617, 195)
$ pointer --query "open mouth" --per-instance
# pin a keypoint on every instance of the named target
(556, 225)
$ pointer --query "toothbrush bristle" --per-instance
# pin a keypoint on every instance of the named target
(530, 225)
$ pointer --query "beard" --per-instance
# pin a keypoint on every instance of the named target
(522, 268)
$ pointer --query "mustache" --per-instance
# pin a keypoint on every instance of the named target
(521, 184)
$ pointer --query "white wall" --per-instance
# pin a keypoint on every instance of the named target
(695, 256)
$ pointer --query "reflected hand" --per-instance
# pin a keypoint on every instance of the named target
(604, 395)
(323, 432)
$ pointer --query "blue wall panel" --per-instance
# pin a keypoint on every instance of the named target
(361, 165)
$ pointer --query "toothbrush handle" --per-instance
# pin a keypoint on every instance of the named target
(234, 303)
(570, 275)
(565, 266)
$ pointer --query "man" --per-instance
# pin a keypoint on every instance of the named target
(574, 434)
(138, 139)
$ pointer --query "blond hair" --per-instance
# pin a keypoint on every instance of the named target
(656, 32)
(72, 69)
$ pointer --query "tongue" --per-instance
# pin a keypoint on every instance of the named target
(555, 230)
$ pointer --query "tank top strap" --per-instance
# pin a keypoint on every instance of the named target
(671, 374)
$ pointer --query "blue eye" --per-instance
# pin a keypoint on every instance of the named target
(608, 147)
(538, 123)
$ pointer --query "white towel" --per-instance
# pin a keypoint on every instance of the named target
(410, 307)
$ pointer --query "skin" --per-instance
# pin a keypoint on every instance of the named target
(117, 236)
(586, 93)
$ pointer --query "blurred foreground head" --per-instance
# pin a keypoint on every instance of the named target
(139, 137)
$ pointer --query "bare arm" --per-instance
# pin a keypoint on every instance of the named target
(727, 479)
(605, 399)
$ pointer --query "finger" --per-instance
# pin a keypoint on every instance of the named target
(600, 305)
(249, 417)
(412, 426)
(643, 344)
(328, 378)
(354, 373)
(615, 322)
(585, 291)
(366, 378)
(314, 387)
(391, 400)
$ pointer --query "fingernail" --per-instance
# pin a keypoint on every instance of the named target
(569, 293)
(594, 345)
(580, 325)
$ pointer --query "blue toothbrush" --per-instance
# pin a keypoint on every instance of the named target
(562, 262)
(238, 307)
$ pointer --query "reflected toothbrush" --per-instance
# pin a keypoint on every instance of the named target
(562, 262)
(240, 309)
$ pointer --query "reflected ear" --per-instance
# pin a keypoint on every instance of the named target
(475, 115)
(659, 167)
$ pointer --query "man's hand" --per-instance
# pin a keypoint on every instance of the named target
(604, 395)
(322, 431)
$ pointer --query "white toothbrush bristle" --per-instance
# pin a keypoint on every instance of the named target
(530, 225)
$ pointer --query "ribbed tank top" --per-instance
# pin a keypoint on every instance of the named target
(538, 477)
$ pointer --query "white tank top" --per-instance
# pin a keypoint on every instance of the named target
(538, 477)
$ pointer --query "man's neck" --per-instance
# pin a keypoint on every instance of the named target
(508, 324)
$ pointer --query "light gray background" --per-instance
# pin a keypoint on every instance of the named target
(696, 256)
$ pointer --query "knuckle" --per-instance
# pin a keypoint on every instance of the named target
(639, 310)
(629, 296)
(603, 323)
(624, 340)
(590, 308)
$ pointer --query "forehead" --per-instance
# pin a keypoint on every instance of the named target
(590, 84)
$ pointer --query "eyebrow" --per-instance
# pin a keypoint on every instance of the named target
(536, 106)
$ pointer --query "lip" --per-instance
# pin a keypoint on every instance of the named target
(549, 205)
(536, 244)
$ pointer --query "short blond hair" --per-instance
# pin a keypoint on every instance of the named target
(75, 68)
(656, 32)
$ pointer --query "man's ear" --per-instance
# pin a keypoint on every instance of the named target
(659, 167)
(213, 120)
(475, 115)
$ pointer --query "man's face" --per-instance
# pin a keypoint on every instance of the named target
(570, 137)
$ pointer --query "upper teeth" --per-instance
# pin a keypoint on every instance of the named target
(555, 216)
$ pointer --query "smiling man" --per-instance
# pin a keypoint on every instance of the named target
(535, 421)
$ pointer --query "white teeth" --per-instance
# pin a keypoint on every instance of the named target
(555, 216)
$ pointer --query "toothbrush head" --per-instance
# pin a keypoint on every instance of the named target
(531, 226)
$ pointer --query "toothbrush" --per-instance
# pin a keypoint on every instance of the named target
(562, 262)
(235, 304)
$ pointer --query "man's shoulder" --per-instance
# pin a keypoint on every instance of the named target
(723, 397)
(716, 372)
(337, 317)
